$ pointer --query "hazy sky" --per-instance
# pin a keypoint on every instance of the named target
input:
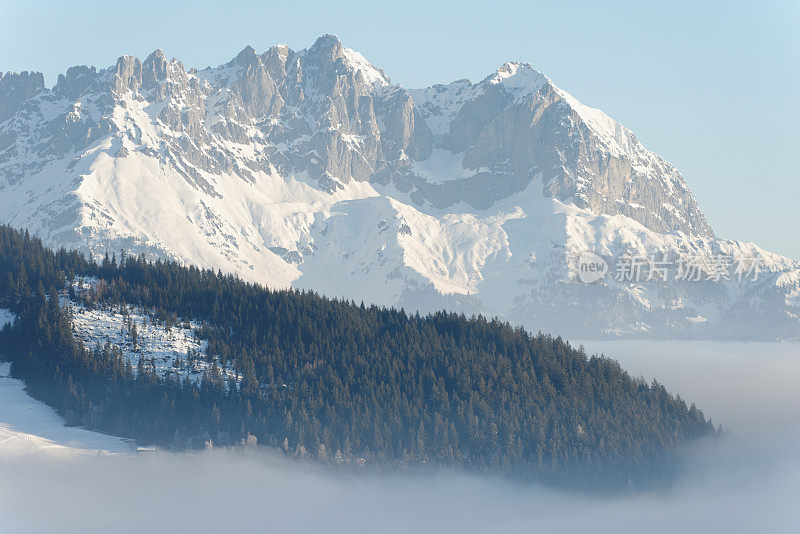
(712, 87)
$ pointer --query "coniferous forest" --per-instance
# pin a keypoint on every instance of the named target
(339, 382)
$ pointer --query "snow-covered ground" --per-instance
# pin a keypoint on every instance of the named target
(173, 351)
(6, 317)
(28, 426)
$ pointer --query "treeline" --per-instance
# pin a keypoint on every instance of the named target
(338, 381)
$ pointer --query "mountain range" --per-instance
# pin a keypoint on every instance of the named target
(311, 169)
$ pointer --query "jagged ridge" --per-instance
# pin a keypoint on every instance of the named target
(283, 165)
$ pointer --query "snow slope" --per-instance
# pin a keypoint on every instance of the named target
(29, 427)
(172, 351)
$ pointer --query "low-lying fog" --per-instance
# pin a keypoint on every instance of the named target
(749, 484)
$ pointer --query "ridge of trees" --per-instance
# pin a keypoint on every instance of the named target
(336, 381)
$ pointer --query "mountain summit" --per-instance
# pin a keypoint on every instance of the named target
(312, 169)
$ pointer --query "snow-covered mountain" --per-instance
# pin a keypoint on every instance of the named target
(312, 169)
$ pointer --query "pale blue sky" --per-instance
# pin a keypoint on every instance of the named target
(715, 88)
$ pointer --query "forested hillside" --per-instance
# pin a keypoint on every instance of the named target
(336, 381)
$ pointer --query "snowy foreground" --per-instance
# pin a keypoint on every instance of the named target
(29, 427)
(746, 485)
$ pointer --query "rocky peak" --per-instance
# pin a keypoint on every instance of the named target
(327, 47)
(322, 64)
(77, 80)
(275, 60)
(256, 87)
(127, 74)
(16, 88)
(518, 78)
(154, 69)
(334, 60)
(509, 69)
(247, 56)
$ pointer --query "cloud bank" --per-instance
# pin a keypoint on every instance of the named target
(749, 483)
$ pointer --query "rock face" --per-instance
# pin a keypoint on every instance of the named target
(516, 127)
(16, 89)
(310, 168)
